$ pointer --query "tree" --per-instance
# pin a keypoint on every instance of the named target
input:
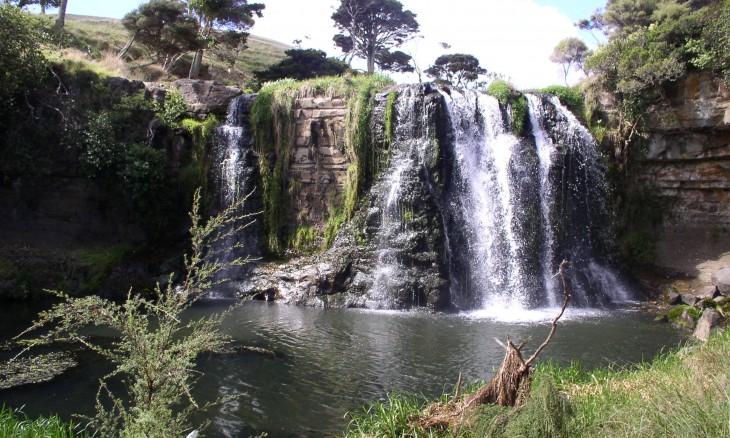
(570, 52)
(165, 29)
(221, 21)
(155, 351)
(61, 19)
(23, 62)
(457, 69)
(370, 29)
(302, 64)
(42, 3)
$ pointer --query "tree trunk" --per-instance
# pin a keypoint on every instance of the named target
(43, 7)
(61, 20)
(371, 62)
(127, 46)
(195, 66)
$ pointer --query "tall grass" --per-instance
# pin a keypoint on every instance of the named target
(15, 424)
(684, 393)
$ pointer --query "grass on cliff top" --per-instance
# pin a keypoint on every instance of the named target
(685, 393)
(96, 41)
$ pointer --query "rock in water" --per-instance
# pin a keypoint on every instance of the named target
(709, 320)
(721, 279)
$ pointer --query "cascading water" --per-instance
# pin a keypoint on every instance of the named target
(508, 207)
(235, 176)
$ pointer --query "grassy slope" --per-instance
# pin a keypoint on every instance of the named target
(681, 394)
(97, 39)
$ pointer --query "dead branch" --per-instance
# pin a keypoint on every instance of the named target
(510, 386)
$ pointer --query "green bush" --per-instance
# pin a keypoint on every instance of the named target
(514, 100)
(571, 97)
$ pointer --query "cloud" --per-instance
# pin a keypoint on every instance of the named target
(514, 37)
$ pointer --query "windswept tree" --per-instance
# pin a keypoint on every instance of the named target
(458, 69)
(570, 53)
(43, 4)
(221, 22)
(371, 29)
(302, 64)
(165, 29)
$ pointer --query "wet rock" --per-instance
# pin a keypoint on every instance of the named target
(709, 292)
(709, 320)
(673, 298)
(206, 97)
(721, 279)
(690, 300)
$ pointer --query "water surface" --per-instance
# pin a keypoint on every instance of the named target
(331, 361)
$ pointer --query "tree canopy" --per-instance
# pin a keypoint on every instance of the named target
(371, 29)
(457, 69)
(165, 29)
(221, 22)
(303, 64)
(570, 52)
(44, 4)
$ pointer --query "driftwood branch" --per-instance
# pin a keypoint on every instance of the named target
(510, 386)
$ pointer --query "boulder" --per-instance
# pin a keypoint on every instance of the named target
(720, 299)
(721, 279)
(122, 86)
(673, 298)
(690, 300)
(708, 293)
(709, 320)
(206, 97)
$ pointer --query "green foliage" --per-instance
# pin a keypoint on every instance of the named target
(196, 173)
(515, 101)
(371, 29)
(570, 52)
(571, 97)
(173, 109)
(389, 117)
(303, 64)
(15, 424)
(457, 69)
(97, 264)
(334, 222)
(640, 213)
(155, 351)
(715, 54)
(165, 29)
(24, 66)
(304, 240)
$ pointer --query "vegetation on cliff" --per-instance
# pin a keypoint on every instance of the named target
(272, 123)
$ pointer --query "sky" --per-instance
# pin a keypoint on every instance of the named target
(511, 37)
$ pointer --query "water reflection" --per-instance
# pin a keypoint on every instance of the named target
(329, 362)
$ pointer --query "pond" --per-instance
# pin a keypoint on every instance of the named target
(331, 361)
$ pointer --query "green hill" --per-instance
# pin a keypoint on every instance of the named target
(96, 41)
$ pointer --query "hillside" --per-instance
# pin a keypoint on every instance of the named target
(98, 39)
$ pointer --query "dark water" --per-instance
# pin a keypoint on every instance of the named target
(329, 362)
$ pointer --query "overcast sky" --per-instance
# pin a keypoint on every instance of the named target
(511, 37)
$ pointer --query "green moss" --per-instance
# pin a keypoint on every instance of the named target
(97, 264)
(272, 122)
(195, 174)
(515, 101)
(334, 222)
(676, 312)
(304, 239)
(389, 112)
(8, 270)
(570, 97)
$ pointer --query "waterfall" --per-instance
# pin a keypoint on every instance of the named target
(235, 176)
(507, 208)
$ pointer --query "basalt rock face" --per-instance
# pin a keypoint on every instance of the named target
(391, 254)
(205, 97)
(689, 163)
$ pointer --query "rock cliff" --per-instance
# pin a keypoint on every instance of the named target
(688, 162)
